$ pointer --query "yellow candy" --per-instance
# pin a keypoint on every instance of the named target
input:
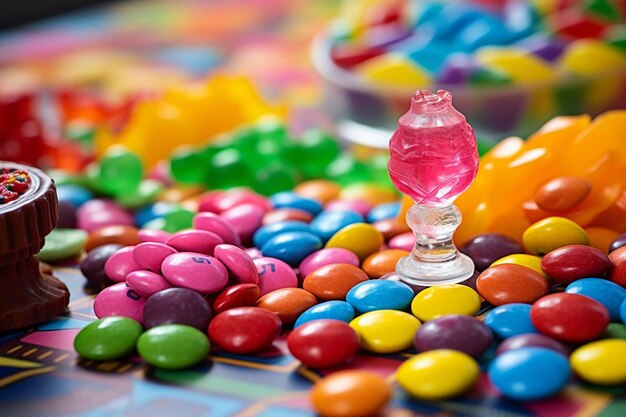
(360, 238)
(368, 193)
(393, 70)
(522, 67)
(552, 233)
(438, 301)
(385, 331)
(438, 374)
(601, 362)
(529, 261)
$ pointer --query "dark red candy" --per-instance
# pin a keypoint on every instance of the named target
(244, 330)
(240, 295)
(569, 263)
(323, 343)
(177, 306)
(618, 266)
(531, 340)
(618, 242)
(347, 56)
(569, 317)
(576, 24)
(487, 248)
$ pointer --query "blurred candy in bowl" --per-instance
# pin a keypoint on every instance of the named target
(510, 64)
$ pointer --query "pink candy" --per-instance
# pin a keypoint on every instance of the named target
(119, 300)
(95, 214)
(219, 201)
(153, 235)
(274, 274)
(404, 241)
(238, 263)
(120, 264)
(195, 271)
(360, 207)
(146, 283)
(199, 241)
(325, 257)
(245, 219)
(150, 255)
(214, 223)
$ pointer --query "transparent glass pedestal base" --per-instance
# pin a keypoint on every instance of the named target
(428, 274)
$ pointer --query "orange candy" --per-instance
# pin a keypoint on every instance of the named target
(510, 283)
(383, 262)
(288, 303)
(117, 234)
(320, 190)
(332, 282)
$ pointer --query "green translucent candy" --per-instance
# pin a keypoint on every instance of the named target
(378, 170)
(320, 149)
(146, 193)
(271, 128)
(346, 170)
(173, 346)
(190, 165)
(177, 219)
(275, 178)
(120, 171)
(484, 146)
(245, 139)
(108, 338)
(228, 169)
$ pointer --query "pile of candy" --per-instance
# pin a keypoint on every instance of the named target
(13, 183)
(320, 260)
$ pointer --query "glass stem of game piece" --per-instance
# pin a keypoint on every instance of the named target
(434, 260)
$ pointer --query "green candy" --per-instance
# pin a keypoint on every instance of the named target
(347, 170)
(120, 170)
(177, 219)
(489, 77)
(275, 178)
(108, 338)
(146, 193)
(173, 346)
(271, 128)
(615, 331)
(320, 149)
(189, 165)
(63, 244)
(228, 169)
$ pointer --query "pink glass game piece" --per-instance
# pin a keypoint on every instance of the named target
(433, 159)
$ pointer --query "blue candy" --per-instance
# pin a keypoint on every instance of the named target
(73, 194)
(153, 211)
(327, 223)
(622, 312)
(380, 295)
(292, 200)
(510, 320)
(383, 211)
(265, 233)
(291, 247)
(336, 310)
(605, 292)
(529, 373)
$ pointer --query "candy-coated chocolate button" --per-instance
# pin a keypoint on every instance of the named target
(384, 211)
(438, 301)
(438, 374)
(264, 233)
(286, 214)
(370, 193)
(244, 219)
(562, 194)
(323, 343)
(287, 303)
(335, 310)
(489, 247)
(244, 330)
(119, 300)
(173, 346)
(572, 262)
(532, 340)
(198, 241)
(601, 238)
(332, 282)
(454, 331)
(385, 331)
(274, 274)
(327, 223)
(150, 255)
(529, 261)
(153, 235)
(360, 238)
(552, 233)
(177, 306)
(117, 234)
(569, 317)
(288, 199)
(195, 271)
(146, 283)
(120, 264)
(380, 295)
(510, 283)
(239, 295)
(325, 257)
(607, 293)
(108, 338)
(618, 266)
(529, 373)
(92, 266)
(510, 320)
(320, 190)
(383, 262)
(601, 362)
(237, 262)
(350, 394)
(291, 247)
(211, 222)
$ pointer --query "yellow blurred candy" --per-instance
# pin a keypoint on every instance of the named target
(522, 67)
(368, 193)
(360, 238)
(529, 261)
(385, 331)
(438, 374)
(601, 362)
(438, 301)
(552, 233)
(590, 57)
(393, 70)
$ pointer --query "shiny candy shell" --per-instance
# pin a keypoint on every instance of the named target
(360, 238)
(454, 331)
(173, 346)
(239, 295)
(380, 295)
(529, 261)
(382, 262)
(529, 373)
(291, 247)
(385, 331)
(323, 343)
(198, 241)
(351, 393)
(119, 300)
(264, 233)
(195, 271)
(237, 262)
(601, 362)
(120, 264)
(572, 262)
(607, 293)
(532, 340)
(150, 255)
(287, 303)
(552, 233)
(274, 274)
(336, 310)
(325, 257)
(332, 282)
(146, 283)
(562, 194)
(440, 300)
(438, 374)
(292, 200)
(327, 223)
(244, 330)
(569, 317)
(107, 338)
(510, 283)
(177, 306)
(211, 222)
(618, 269)
(510, 320)
(116, 234)
(489, 247)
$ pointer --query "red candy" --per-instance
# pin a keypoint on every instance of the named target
(240, 295)
(323, 343)
(618, 268)
(572, 262)
(570, 317)
(510, 283)
(244, 330)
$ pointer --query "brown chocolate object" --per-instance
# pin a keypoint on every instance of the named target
(28, 295)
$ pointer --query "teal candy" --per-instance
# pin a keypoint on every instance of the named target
(510, 320)
(288, 199)
(173, 346)
(335, 310)
(327, 223)
(189, 165)
(108, 338)
(73, 194)
(530, 373)
(607, 293)
(177, 219)
(267, 232)
(63, 244)
(291, 247)
(120, 171)
(380, 295)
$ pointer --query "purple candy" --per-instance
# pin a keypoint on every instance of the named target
(531, 340)
(618, 242)
(92, 266)
(177, 306)
(544, 47)
(454, 331)
(456, 70)
(487, 248)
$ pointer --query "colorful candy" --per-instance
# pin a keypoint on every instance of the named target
(454, 331)
(509, 283)
(572, 262)
(177, 306)
(375, 295)
(332, 282)
(287, 303)
(510, 320)
(173, 346)
(244, 330)
(438, 301)
(385, 331)
(108, 338)
(195, 271)
(600, 362)
(335, 310)
(323, 343)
